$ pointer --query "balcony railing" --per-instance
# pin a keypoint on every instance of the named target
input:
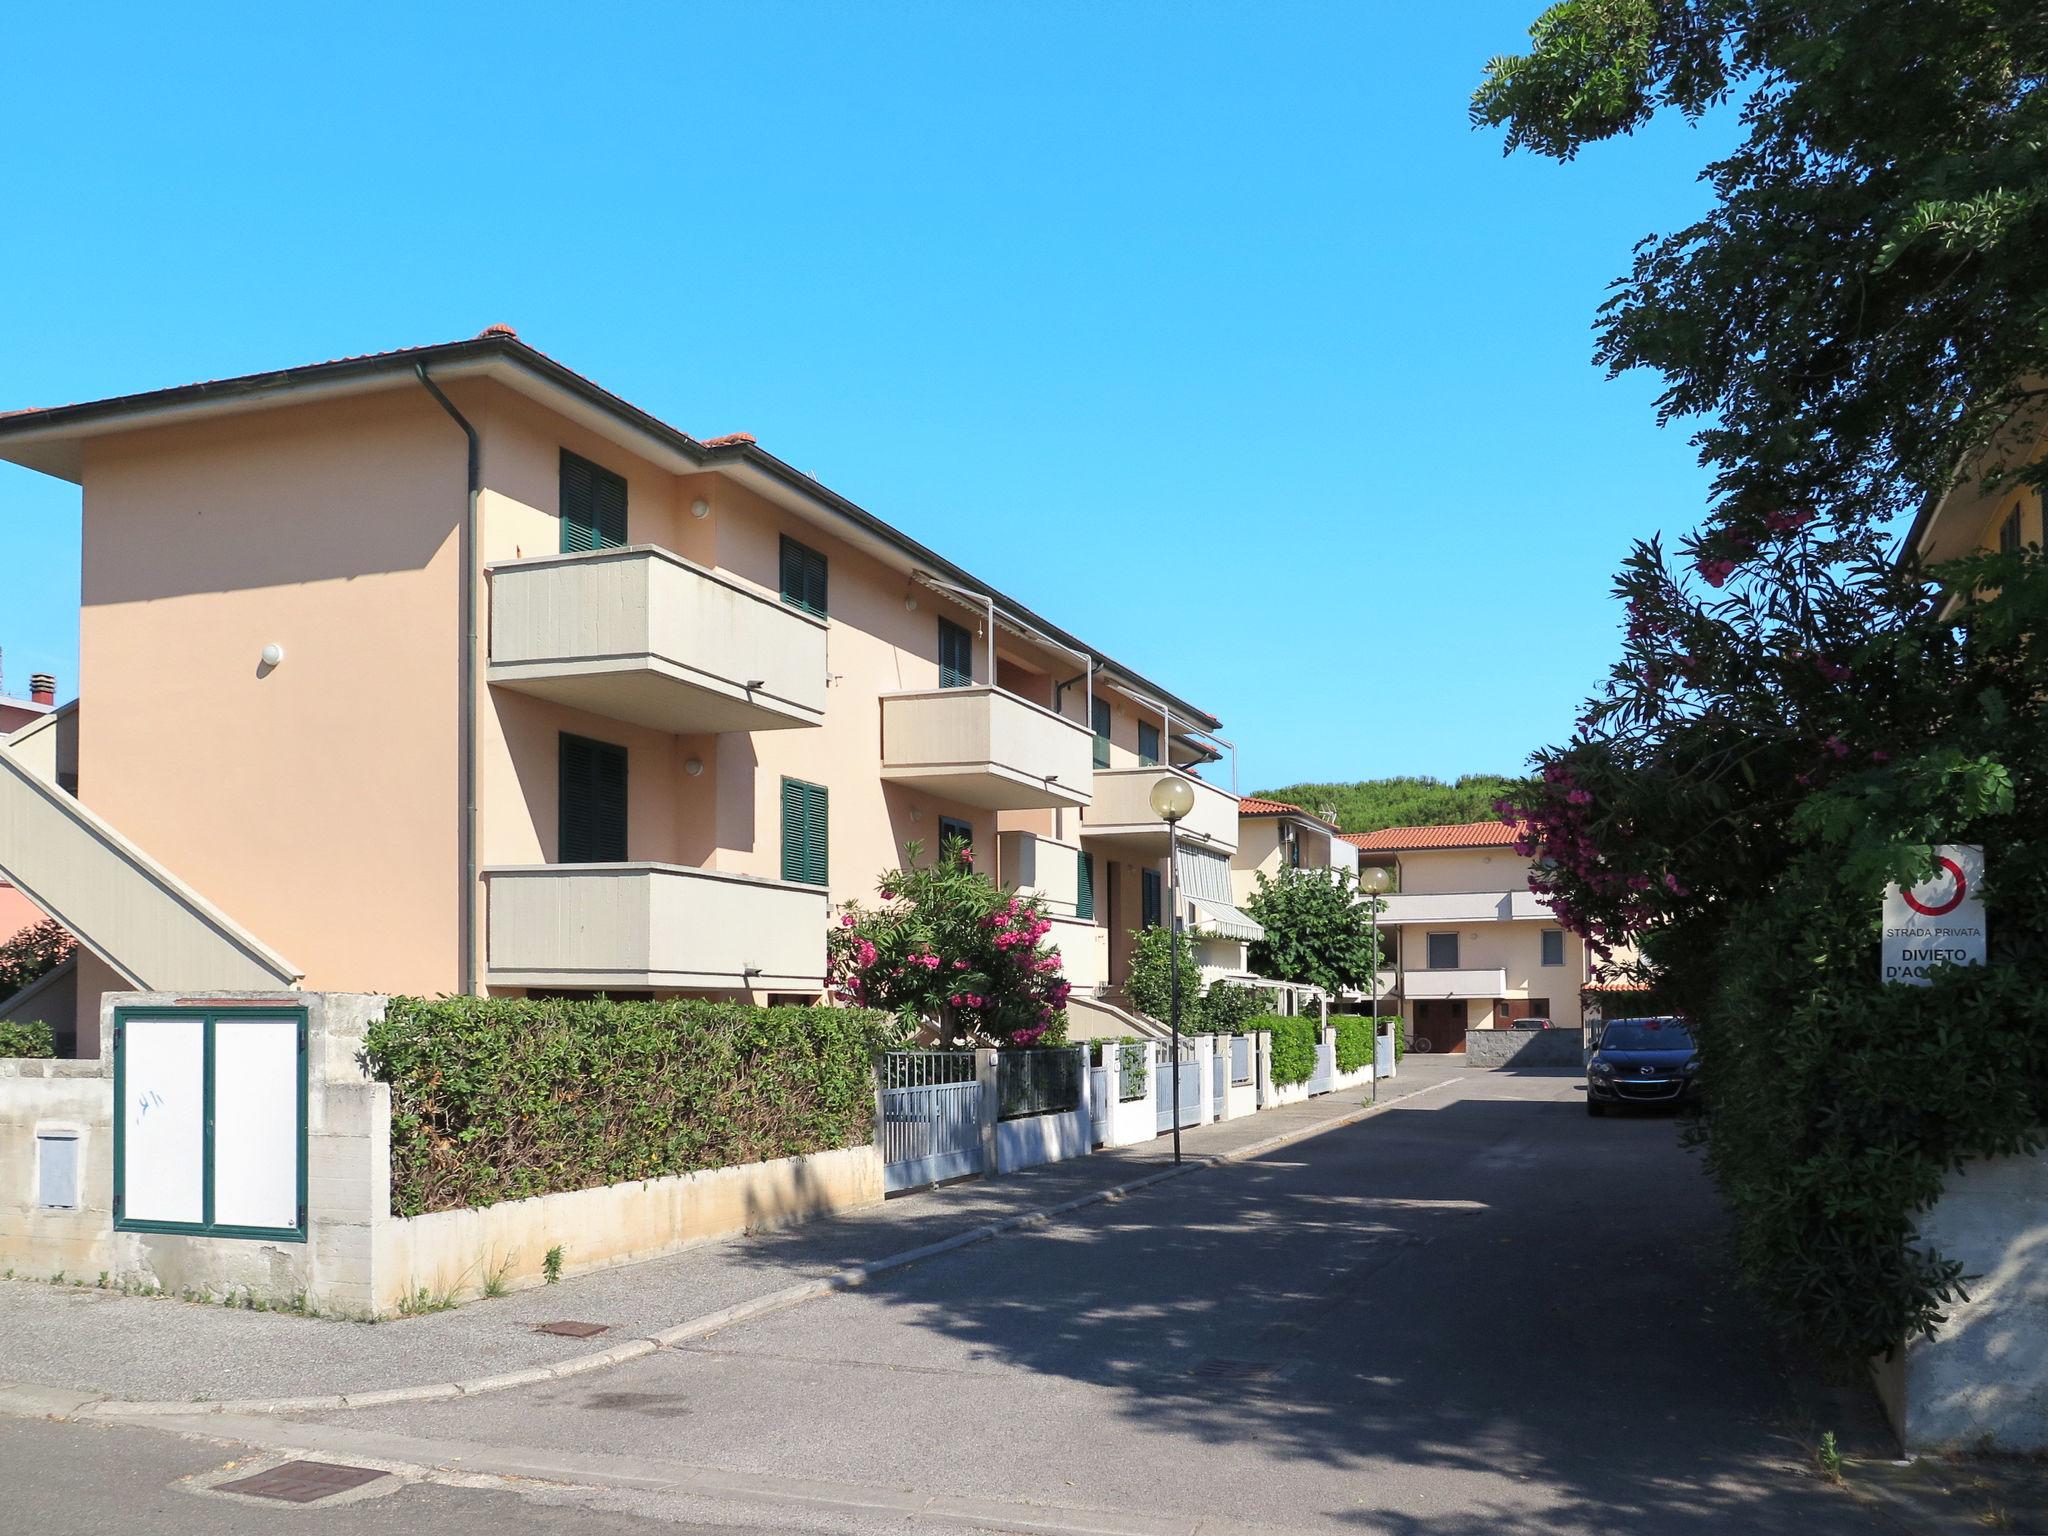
(1123, 812)
(1464, 907)
(640, 634)
(984, 747)
(1454, 984)
(652, 925)
(1084, 952)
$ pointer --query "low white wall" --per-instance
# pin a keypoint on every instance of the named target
(1039, 1139)
(1359, 1079)
(1982, 1381)
(58, 1098)
(457, 1254)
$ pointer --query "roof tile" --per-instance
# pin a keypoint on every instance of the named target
(1467, 834)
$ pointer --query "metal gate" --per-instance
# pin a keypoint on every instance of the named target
(1191, 1087)
(931, 1117)
(1219, 1083)
(1324, 1078)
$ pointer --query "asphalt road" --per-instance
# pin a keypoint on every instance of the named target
(1480, 1311)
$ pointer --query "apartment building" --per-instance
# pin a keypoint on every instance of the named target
(1273, 835)
(1469, 944)
(445, 669)
(1972, 518)
(19, 716)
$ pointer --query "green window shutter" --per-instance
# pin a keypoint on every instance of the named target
(1148, 745)
(956, 656)
(1100, 711)
(1149, 904)
(805, 833)
(803, 577)
(591, 802)
(1084, 886)
(593, 506)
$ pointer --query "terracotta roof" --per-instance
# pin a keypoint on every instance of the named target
(1252, 805)
(1467, 834)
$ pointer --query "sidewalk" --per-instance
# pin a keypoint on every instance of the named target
(156, 1349)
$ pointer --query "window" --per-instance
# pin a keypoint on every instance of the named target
(2009, 534)
(1084, 886)
(591, 823)
(954, 833)
(1443, 951)
(1553, 946)
(956, 656)
(804, 828)
(803, 577)
(1149, 904)
(593, 506)
(1148, 745)
(1290, 845)
(1100, 711)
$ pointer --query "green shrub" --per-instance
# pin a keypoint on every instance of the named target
(1354, 1040)
(1227, 1007)
(497, 1098)
(1294, 1048)
(29, 1037)
(1150, 987)
(1400, 1035)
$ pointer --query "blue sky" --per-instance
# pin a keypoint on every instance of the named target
(1232, 295)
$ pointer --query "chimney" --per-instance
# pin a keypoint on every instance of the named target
(42, 688)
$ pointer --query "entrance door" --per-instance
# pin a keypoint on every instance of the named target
(1440, 1021)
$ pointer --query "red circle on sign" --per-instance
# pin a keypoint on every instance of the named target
(1946, 907)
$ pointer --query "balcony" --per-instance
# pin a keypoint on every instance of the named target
(652, 926)
(640, 634)
(983, 747)
(1084, 952)
(1454, 984)
(1464, 907)
(1122, 814)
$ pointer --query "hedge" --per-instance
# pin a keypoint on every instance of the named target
(30, 1037)
(1294, 1047)
(496, 1098)
(1354, 1040)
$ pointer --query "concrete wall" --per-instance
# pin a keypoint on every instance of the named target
(456, 1254)
(1524, 1048)
(1982, 1382)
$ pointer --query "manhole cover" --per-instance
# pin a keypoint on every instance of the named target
(574, 1330)
(302, 1482)
(1219, 1369)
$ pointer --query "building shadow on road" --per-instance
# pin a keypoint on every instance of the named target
(1492, 1309)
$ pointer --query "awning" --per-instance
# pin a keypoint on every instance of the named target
(1223, 920)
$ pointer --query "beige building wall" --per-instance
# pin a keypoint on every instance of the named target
(315, 802)
(1515, 947)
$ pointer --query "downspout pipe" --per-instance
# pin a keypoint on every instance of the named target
(465, 736)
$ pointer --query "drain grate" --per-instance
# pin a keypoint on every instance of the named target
(302, 1482)
(1217, 1368)
(574, 1330)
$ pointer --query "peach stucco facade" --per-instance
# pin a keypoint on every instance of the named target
(318, 801)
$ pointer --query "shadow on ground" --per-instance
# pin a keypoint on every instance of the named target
(1529, 1310)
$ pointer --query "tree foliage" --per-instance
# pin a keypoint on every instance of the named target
(1318, 929)
(32, 954)
(1866, 301)
(1370, 804)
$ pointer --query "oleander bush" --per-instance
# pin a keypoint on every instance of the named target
(29, 1037)
(498, 1098)
(32, 954)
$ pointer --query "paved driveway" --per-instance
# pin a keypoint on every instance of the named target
(1478, 1311)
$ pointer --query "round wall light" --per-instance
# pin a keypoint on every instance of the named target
(700, 508)
(693, 766)
(273, 654)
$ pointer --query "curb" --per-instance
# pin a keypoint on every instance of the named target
(50, 1402)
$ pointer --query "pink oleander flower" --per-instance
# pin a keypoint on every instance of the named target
(846, 921)
(959, 965)
(1715, 571)
(1671, 884)
(1880, 756)
(1836, 745)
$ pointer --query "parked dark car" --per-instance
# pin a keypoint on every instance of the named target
(1642, 1061)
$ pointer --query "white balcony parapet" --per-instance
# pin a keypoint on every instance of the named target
(983, 746)
(1455, 984)
(641, 925)
(1464, 907)
(1084, 952)
(1041, 867)
(1123, 812)
(643, 635)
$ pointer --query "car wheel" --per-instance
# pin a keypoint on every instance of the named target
(1595, 1107)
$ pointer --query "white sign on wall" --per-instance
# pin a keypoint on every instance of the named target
(1937, 922)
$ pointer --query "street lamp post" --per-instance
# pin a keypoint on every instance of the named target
(1172, 798)
(1374, 880)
